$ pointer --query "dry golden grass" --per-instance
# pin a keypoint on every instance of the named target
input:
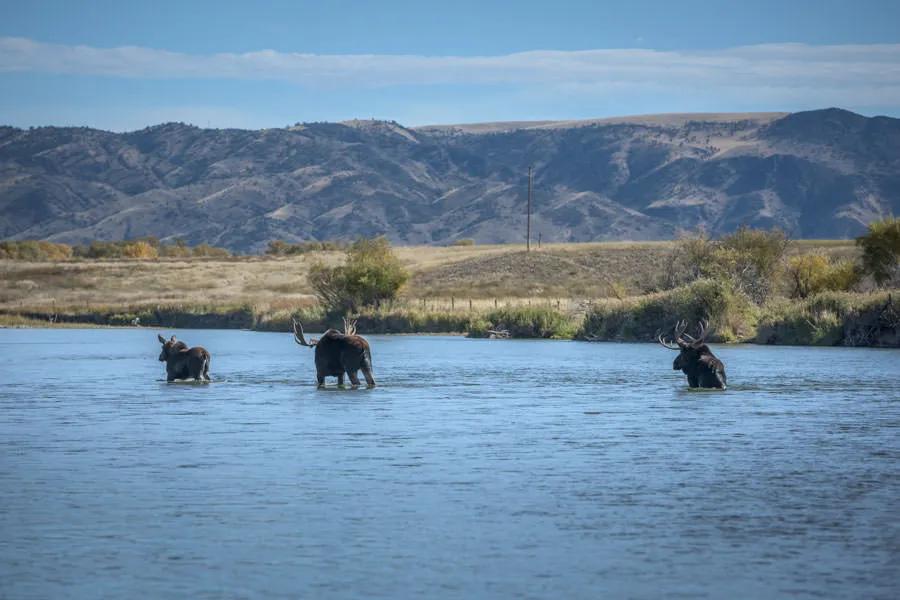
(556, 275)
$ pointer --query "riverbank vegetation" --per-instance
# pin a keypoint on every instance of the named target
(752, 285)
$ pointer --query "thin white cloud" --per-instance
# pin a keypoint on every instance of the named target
(787, 66)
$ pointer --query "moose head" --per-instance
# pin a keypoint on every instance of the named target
(169, 347)
(695, 359)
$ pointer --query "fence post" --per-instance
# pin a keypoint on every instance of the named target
(452, 303)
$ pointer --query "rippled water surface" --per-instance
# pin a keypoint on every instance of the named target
(476, 469)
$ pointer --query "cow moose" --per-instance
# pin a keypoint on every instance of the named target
(339, 353)
(695, 359)
(183, 362)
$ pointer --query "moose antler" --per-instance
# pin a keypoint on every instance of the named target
(702, 332)
(298, 334)
(680, 326)
(349, 326)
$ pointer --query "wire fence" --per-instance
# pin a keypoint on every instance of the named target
(463, 304)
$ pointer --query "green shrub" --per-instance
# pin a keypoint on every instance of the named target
(832, 318)
(371, 276)
(748, 259)
(809, 274)
(881, 250)
(525, 322)
(386, 320)
(731, 314)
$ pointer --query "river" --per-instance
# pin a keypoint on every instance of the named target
(476, 468)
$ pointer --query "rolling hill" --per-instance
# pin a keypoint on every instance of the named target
(817, 174)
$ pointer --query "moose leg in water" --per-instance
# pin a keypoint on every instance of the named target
(367, 373)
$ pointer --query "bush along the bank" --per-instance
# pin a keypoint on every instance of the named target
(192, 317)
(881, 251)
(731, 314)
(371, 276)
(524, 322)
(810, 274)
(749, 260)
(833, 318)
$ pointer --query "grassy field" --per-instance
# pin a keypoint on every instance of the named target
(463, 278)
(592, 289)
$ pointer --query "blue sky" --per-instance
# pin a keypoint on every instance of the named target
(124, 65)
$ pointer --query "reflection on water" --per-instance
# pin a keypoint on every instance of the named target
(477, 468)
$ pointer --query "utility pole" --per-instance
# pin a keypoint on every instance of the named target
(528, 226)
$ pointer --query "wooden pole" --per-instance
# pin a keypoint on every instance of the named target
(528, 221)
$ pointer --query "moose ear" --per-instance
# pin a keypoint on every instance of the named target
(162, 340)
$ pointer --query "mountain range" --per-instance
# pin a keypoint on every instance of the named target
(816, 174)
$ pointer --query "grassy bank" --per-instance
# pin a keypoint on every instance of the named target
(826, 319)
(604, 291)
(521, 322)
(831, 319)
(732, 315)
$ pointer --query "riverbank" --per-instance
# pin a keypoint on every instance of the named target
(829, 319)
(594, 291)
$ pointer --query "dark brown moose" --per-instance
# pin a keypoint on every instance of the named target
(695, 359)
(338, 353)
(183, 362)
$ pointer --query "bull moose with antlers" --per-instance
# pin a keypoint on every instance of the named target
(695, 359)
(339, 353)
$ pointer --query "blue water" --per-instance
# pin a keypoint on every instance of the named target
(476, 468)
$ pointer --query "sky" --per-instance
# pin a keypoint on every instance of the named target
(122, 65)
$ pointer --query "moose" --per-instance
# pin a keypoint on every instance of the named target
(183, 362)
(338, 353)
(695, 359)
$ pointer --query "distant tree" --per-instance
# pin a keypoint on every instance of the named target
(277, 248)
(809, 274)
(140, 249)
(749, 259)
(178, 249)
(881, 250)
(34, 250)
(207, 251)
(282, 248)
(371, 275)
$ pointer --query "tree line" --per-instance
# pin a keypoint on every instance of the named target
(756, 263)
(142, 248)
